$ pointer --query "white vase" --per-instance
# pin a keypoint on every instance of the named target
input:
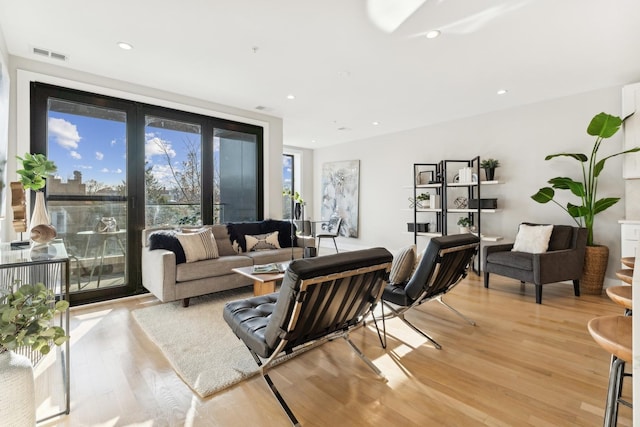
(40, 214)
(17, 394)
(464, 230)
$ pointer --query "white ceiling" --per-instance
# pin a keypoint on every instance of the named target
(348, 62)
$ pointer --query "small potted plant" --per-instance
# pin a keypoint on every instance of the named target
(464, 223)
(297, 198)
(25, 321)
(35, 170)
(422, 201)
(489, 166)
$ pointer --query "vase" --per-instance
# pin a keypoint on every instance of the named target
(464, 230)
(17, 393)
(490, 173)
(595, 266)
(40, 214)
(297, 212)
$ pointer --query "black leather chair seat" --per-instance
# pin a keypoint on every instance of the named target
(248, 319)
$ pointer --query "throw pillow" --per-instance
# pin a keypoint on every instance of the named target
(262, 241)
(402, 265)
(198, 246)
(532, 238)
(166, 239)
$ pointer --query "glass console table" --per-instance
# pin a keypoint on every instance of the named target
(47, 264)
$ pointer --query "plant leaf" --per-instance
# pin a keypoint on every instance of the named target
(577, 211)
(564, 183)
(604, 125)
(578, 156)
(544, 195)
(605, 203)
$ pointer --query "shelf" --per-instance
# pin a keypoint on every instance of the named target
(430, 234)
(471, 184)
(473, 210)
(429, 210)
(434, 185)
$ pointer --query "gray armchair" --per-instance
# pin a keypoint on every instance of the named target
(563, 260)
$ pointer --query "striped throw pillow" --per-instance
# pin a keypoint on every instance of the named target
(402, 265)
(198, 246)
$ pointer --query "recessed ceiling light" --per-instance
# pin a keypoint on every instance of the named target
(125, 46)
(375, 123)
(433, 34)
(290, 96)
(502, 91)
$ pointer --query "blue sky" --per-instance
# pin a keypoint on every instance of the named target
(97, 148)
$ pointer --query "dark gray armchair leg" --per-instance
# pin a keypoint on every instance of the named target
(576, 287)
(486, 279)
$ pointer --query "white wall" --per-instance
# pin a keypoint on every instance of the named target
(520, 138)
(22, 71)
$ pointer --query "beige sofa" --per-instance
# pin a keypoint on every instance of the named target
(169, 281)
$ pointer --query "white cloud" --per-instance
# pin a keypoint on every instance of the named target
(104, 170)
(117, 171)
(156, 147)
(65, 133)
(75, 155)
(99, 155)
(163, 175)
(113, 142)
(83, 166)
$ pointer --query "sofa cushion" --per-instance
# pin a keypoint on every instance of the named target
(532, 238)
(223, 241)
(274, 255)
(211, 267)
(519, 260)
(167, 239)
(403, 265)
(198, 246)
(237, 231)
(262, 242)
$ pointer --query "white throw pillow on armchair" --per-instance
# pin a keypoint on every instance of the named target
(532, 238)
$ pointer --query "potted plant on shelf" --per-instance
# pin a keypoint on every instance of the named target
(464, 223)
(489, 166)
(25, 321)
(422, 201)
(602, 126)
(35, 170)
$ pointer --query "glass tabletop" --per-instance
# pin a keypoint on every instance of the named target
(52, 251)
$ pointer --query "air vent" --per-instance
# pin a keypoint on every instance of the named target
(49, 54)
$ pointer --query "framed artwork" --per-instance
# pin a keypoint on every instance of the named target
(340, 197)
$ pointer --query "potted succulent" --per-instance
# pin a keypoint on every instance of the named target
(35, 170)
(25, 321)
(602, 126)
(489, 166)
(464, 223)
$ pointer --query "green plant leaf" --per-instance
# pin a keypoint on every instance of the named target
(544, 195)
(564, 183)
(604, 125)
(578, 156)
(604, 203)
(577, 211)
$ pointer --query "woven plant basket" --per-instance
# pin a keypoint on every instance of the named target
(595, 265)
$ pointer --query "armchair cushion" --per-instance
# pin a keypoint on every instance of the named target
(533, 238)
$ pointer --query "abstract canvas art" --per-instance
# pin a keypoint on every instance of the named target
(340, 194)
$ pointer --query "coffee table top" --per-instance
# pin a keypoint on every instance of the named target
(260, 277)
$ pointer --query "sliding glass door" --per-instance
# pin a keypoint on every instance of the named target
(124, 166)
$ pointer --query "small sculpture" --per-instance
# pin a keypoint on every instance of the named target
(43, 233)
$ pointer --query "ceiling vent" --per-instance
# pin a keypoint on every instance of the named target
(49, 54)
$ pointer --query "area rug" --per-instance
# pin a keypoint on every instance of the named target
(198, 343)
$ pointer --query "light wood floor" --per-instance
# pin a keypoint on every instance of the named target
(522, 365)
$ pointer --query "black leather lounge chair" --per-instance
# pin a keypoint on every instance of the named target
(320, 299)
(444, 264)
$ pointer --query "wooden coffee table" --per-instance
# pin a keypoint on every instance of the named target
(263, 283)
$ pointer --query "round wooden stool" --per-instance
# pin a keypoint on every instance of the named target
(628, 261)
(625, 274)
(621, 295)
(613, 333)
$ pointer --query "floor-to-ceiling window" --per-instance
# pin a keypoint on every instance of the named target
(124, 166)
(288, 178)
